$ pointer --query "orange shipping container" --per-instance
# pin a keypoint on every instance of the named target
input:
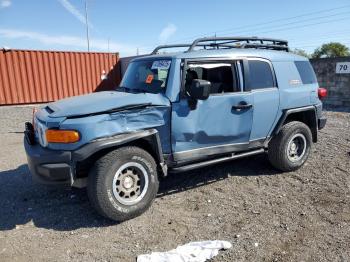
(28, 76)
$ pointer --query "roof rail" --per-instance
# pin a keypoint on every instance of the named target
(155, 51)
(241, 42)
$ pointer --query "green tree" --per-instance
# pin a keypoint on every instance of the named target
(300, 52)
(333, 49)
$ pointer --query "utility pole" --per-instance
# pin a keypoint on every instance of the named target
(87, 26)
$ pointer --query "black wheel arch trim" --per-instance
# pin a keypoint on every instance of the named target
(118, 140)
(289, 112)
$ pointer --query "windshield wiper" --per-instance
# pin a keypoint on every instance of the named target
(131, 90)
(134, 90)
(121, 88)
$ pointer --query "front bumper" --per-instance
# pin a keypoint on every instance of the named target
(49, 166)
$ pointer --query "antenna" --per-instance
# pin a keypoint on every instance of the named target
(87, 26)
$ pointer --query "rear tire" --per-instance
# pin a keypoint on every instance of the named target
(123, 183)
(291, 147)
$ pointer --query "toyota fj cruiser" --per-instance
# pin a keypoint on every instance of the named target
(223, 98)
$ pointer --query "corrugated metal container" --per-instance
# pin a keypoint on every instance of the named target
(28, 76)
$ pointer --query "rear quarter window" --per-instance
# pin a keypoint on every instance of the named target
(260, 75)
(306, 72)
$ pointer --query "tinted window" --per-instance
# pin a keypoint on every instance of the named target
(306, 72)
(260, 75)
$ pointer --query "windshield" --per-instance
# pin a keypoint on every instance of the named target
(146, 76)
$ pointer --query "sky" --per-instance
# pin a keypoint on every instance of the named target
(139, 26)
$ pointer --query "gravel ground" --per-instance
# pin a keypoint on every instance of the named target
(266, 215)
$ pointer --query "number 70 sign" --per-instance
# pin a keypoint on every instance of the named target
(343, 68)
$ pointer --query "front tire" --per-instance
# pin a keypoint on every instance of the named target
(123, 183)
(291, 147)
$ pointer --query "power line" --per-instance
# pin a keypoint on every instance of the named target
(329, 39)
(282, 26)
(315, 45)
(302, 21)
(284, 19)
(306, 25)
(265, 23)
(326, 35)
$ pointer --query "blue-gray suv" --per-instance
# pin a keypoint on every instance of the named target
(221, 99)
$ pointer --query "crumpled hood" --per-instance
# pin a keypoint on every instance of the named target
(100, 102)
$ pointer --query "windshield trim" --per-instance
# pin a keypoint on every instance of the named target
(151, 58)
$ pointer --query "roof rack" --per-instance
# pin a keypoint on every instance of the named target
(241, 42)
(231, 42)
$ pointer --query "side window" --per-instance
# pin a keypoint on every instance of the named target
(221, 75)
(260, 75)
(306, 72)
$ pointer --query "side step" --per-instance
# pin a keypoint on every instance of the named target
(215, 161)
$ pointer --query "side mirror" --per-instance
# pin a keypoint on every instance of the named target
(199, 89)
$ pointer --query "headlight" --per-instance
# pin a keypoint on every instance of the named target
(62, 136)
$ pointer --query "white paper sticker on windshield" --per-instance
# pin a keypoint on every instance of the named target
(161, 64)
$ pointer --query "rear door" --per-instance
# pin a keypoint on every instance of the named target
(261, 83)
(220, 124)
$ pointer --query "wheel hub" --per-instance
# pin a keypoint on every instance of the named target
(296, 147)
(130, 183)
(293, 147)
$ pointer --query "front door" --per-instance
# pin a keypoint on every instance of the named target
(220, 124)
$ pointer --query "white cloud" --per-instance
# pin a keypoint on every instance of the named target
(69, 41)
(74, 11)
(5, 3)
(167, 32)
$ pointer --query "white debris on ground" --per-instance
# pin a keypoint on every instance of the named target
(191, 252)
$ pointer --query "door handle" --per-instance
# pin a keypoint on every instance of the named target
(241, 106)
